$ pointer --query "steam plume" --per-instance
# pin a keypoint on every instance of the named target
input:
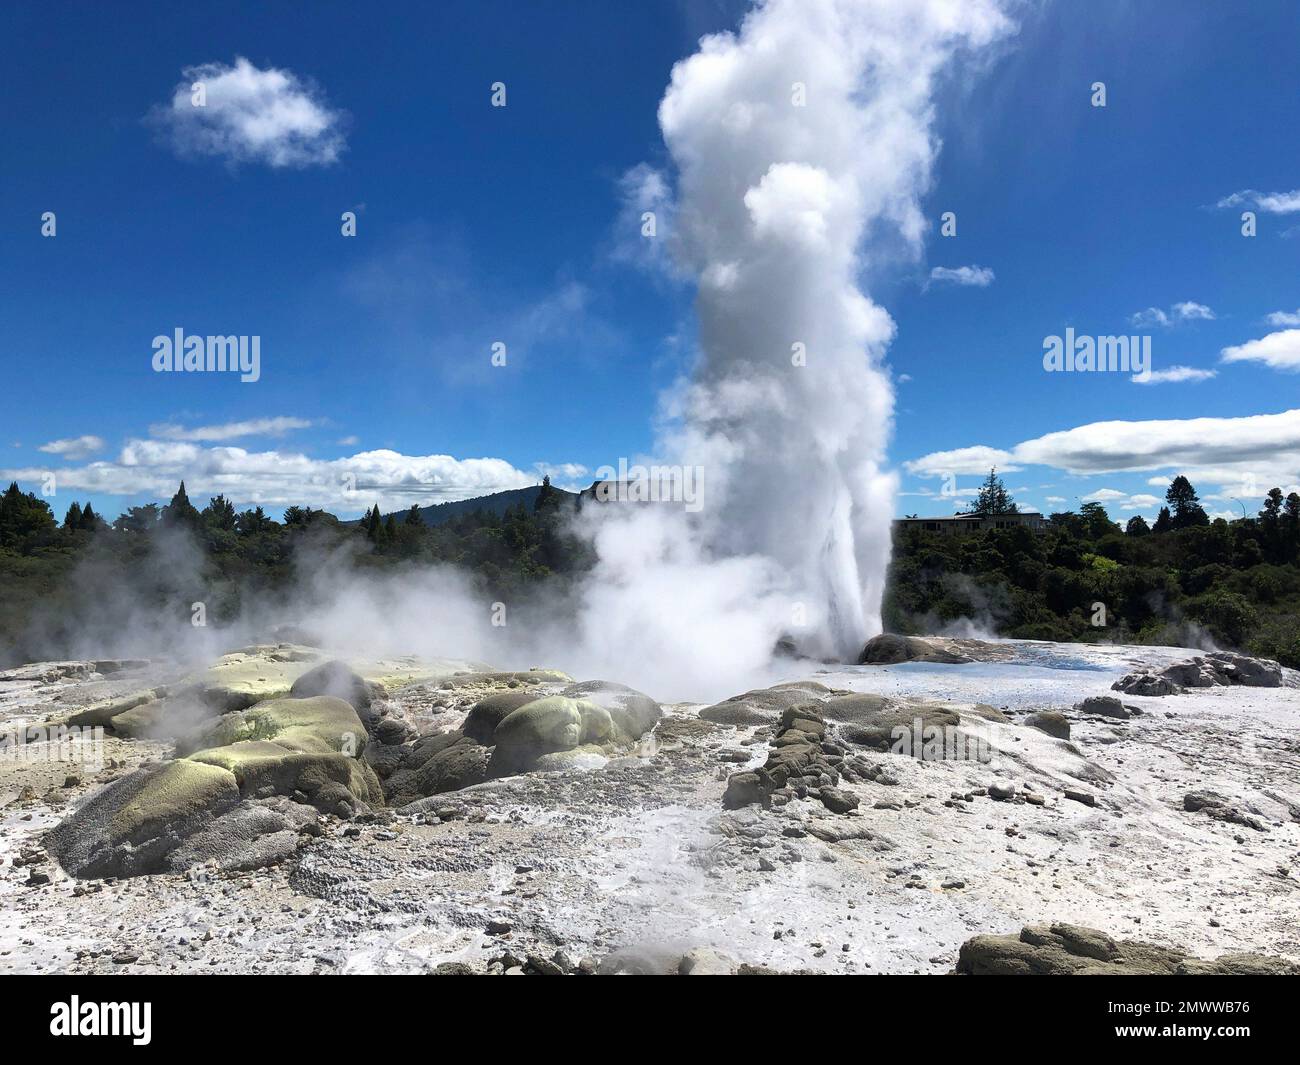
(802, 143)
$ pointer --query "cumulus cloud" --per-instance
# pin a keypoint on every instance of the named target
(1262, 449)
(250, 115)
(1173, 374)
(1183, 311)
(75, 448)
(276, 426)
(1279, 350)
(1227, 458)
(1268, 202)
(1113, 446)
(153, 468)
(978, 276)
(1284, 318)
(976, 459)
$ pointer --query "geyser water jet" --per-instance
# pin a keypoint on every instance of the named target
(801, 145)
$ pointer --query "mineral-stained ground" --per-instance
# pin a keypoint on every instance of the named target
(289, 810)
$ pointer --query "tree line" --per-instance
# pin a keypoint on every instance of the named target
(1185, 578)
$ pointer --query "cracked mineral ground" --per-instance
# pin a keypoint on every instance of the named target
(288, 810)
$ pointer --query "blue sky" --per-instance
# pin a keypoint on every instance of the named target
(478, 224)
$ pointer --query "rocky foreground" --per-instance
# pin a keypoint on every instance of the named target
(288, 811)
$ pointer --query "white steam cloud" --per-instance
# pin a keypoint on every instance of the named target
(799, 143)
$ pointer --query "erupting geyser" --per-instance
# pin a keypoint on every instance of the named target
(801, 143)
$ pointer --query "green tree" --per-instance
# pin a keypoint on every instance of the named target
(548, 499)
(413, 516)
(1137, 526)
(1096, 521)
(25, 519)
(1163, 521)
(138, 519)
(1291, 527)
(252, 522)
(180, 511)
(1270, 525)
(1184, 504)
(72, 520)
(993, 497)
(219, 514)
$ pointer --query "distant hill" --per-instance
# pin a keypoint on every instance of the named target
(496, 503)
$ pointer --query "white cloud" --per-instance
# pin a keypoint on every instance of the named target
(348, 441)
(1268, 202)
(1190, 311)
(1125, 500)
(1149, 317)
(75, 448)
(1104, 447)
(1055, 499)
(250, 115)
(1183, 311)
(1279, 350)
(563, 473)
(1261, 449)
(1171, 374)
(962, 460)
(153, 468)
(1284, 318)
(979, 276)
(276, 426)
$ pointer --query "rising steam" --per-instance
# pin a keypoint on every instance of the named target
(801, 143)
